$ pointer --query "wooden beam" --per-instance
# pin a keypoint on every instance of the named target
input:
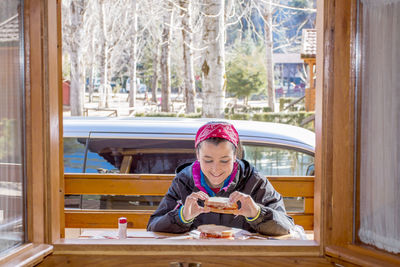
(35, 124)
(206, 260)
(139, 218)
(309, 205)
(178, 248)
(126, 164)
(68, 176)
(294, 188)
(105, 218)
(90, 186)
(335, 129)
(305, 220)
(117, 184)
(53, 119)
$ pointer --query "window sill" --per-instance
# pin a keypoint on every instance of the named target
(362, 255)
(147, 246)
(26, 255)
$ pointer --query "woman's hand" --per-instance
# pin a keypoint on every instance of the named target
(191, 209)
(248, 208)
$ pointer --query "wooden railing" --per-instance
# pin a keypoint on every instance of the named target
(157, 185)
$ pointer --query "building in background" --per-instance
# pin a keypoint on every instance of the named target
(289, 75)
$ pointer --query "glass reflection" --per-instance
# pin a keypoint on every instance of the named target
(11, 130)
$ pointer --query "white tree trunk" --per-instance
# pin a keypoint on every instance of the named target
(188, 55)
(165, 60)
(213, 67)
(91, 76)
(77, 88)
(102, 55)
(105, 88)
(154, 83)
(268, 55)
(92, 68)
(133, 56)
(106, 83)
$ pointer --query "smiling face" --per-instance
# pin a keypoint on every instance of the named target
(216, 161)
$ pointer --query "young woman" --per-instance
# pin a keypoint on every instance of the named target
(218, 172)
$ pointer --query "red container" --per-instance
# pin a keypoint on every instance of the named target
(66, 92)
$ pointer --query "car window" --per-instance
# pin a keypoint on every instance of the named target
(74, 155)
(277, 161)
(106, 155)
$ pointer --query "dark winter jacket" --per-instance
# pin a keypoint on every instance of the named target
(272, 220)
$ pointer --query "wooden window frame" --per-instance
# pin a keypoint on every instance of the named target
(45, 169)
(341, 140)
(334, 160)
(43, 114)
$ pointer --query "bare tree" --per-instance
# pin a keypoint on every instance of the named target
(152, 10)
(117, 33)
(165, 58)
(213, 66)
(111, 38)
(133, 52)
(154, 82)
(73, 28)
(186, 11)
(267, 15)
(91, 31)
(92, 67)
(104, 90)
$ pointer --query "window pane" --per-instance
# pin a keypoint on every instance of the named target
(11, 131)
(106, 155)
(278, 161)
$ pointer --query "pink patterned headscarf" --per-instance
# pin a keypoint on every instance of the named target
(217, 129)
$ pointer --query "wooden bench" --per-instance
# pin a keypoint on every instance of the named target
(157, 185)
(114, 111)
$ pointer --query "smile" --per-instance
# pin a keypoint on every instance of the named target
(216, 176)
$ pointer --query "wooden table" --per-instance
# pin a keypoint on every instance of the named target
(161, 249)
(143, 234)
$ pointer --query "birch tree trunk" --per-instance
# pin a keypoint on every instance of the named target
(105, 88)
(90, 85)
(165, 59)
(268, 54)
(133, 56)
(154, 83)
(213, 67)
(186, 10)
(102, 55)
(92, 72)
(77, 93)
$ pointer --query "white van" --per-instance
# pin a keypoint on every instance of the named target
(159, 145)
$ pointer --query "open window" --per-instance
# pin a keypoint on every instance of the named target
(334, 203)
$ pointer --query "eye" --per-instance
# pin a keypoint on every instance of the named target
(225, 161)
(208, 161)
